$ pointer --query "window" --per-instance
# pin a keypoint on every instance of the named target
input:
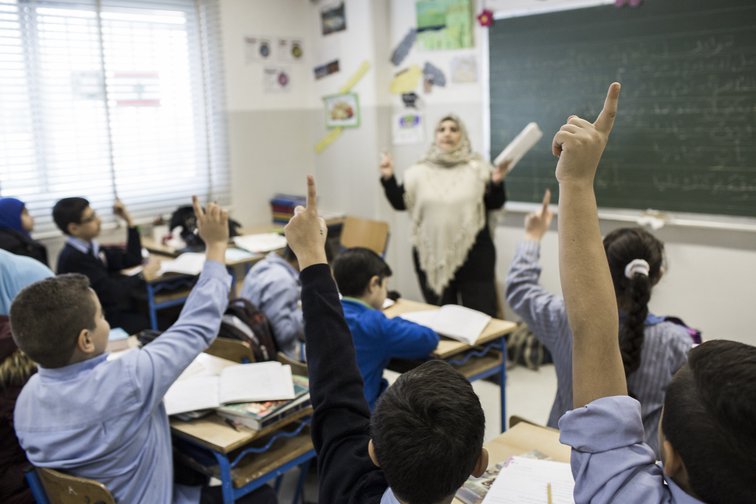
(105, 98)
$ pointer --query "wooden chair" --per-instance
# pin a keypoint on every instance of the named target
(231, 349)
(371, 234)
(61, 488)
(297, 367)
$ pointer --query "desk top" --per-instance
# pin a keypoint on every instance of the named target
(447, 347)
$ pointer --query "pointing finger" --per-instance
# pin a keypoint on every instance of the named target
(605, 120)
(546, 202)
(312, 195)
(198, 213)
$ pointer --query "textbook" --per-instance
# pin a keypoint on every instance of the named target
(264, 242)
(453, 321)
(257, 415)
(259, 381)
(191, 263)
(518, 147)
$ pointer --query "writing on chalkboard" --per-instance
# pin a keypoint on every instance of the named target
(685, 136)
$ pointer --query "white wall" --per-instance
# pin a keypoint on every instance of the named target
(712, 278)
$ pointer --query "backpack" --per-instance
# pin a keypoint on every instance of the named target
(523, 348)
(183, 217)
(243, 321)
(695, 334)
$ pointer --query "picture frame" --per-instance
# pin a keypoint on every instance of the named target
(342, 110)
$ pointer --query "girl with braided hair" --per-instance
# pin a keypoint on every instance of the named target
(652, 349)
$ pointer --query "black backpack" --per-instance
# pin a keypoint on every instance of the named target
(184, 218)
(244, 321)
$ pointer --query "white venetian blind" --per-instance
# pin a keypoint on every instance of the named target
(106, 98)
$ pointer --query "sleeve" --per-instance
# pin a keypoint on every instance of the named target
(610, 462)
(164, 359)
(280, 300)
(495, 195)
(542, 311)
(120, 258)
(340, 425)
(407, 340)
(678, 347)
(394, 193)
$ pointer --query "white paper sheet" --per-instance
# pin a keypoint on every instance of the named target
(454, 321)
(264, 242)
(526, 480)
(518, 147)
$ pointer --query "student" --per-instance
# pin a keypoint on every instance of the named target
(426, 435)
(16, 272)
(707, 436)
(273, 286)
(102, 265)
(652, 350)
(104, 419)
(362, 278)
(16, 225)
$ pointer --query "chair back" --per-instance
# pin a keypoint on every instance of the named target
(297, 367)
(232, 349)
(371, 234)
(61, 488)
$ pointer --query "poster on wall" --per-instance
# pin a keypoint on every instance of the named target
(408, 127)
(444, 24)
(290, 50)
(257, 49)
(333, 19)
(464, 69)
(276, 80)
(342, 110)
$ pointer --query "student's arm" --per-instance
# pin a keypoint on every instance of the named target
(543, 311)
(119, 258)
(586, 283)
(162, 361)
(407, 340)
(341, 420)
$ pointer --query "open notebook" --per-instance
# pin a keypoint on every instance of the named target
(453, 321)
(211, 385)
(528, 480)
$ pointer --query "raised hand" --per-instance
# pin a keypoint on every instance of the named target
(579, 143)
(119, 209)
(306, 232)
(387, 166)
(212, 226)
(500, 171)
(537, 223)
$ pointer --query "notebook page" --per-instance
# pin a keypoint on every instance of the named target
(526, 480)
(260, 381)
(192, 394)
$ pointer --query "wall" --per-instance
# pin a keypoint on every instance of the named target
(711, 281)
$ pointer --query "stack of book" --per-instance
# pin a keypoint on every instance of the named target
(282, 206)
(258, 415)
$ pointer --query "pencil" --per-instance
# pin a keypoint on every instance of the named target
(548, 493)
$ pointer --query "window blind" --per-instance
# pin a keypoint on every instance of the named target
(111, 98)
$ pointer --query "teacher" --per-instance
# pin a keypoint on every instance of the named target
(448, 195)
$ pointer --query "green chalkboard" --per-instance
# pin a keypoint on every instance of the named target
(685, 136)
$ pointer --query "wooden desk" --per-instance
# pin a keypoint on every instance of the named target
(523, 438)
(243, 460)
(486, 357)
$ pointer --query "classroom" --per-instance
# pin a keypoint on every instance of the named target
(233, 100)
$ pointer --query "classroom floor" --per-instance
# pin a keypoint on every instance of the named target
(530, 395)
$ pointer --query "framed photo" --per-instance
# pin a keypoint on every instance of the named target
(342, 110)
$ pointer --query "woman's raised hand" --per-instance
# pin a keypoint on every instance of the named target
(386, 166)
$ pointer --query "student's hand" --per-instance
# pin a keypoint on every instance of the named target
(500, 171)
(120, 210)
(537, 223)
(386, 166)
(579, 144)
(151, 268)
(212, 226)
(306, 232)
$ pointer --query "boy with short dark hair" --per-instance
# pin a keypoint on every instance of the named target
(105, 419)
(707, 435)
(102, 265)
(421, 441)
(362, 278)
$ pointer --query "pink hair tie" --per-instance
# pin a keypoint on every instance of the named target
(637, 267)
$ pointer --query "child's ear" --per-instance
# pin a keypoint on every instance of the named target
(84, 342)
(481, 465)
(374, 283)
(371, 452)
(72, 228)
(673, 463)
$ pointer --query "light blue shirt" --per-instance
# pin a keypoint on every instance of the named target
(16, 272)
(105, 420)
(83, 245)
(610, 461)
(389, 498)
(273, 286)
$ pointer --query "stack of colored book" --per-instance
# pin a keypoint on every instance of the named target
(257, 415)
(282, 206)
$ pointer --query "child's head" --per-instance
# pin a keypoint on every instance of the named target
(427, 433)
(708, 426)
(636, 259)
(14, 215)
(75, 217)
(363, 274)
(59, 321)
